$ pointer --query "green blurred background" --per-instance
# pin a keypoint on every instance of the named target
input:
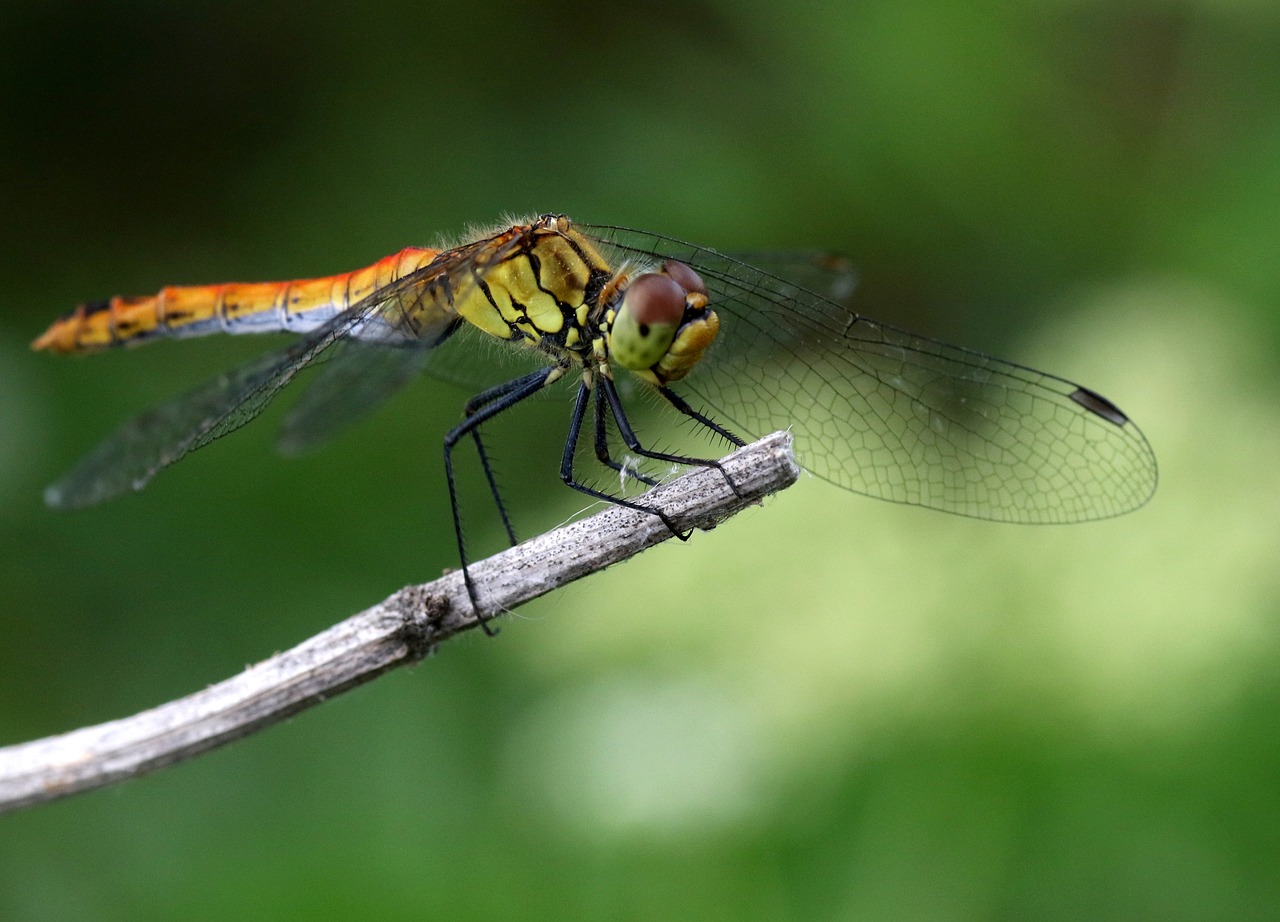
(831, 708)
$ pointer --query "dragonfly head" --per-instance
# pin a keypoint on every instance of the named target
(663, 324)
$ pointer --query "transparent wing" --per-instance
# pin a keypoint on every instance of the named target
(902, 417)
(151, 442)
(362, 374)
(360, 377)
(473, 361)
(385, 333)
(824, 273)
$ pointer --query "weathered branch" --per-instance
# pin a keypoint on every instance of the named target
(402, 629)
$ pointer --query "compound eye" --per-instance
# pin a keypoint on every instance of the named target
(685, 277)
(654, 299)
(646, 322)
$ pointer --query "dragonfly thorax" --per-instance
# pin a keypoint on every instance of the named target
(552, 287)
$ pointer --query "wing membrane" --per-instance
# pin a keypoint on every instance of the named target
(151, 442)
(402, 320)
(902, 417)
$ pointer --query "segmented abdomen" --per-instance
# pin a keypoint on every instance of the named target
(198, 310)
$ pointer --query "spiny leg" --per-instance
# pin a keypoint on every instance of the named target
(678, 402)
(490, 477)
(566, 465)
(479, 409)
(474, 405)
(633, 442)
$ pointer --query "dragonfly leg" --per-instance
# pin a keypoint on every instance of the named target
(479, 409)
(633, 442)
(566, 465)
(489, 476)
(602, 445)
(678, 402)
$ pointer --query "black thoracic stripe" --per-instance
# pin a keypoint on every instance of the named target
(523, 311)
(536, 265)
(484, 286)
(524, 315)
(597, 278)
(573, 244)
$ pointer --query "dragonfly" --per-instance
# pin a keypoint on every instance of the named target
(737, 349)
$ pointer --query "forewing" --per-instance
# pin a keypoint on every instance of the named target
(819, 271)
(371, 350)
(903, 417)
(401, 325)
(359, 379)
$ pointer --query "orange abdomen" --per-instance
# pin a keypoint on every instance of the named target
(264, 307)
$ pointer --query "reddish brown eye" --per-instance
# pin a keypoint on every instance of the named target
(655, 299)
(685, 277)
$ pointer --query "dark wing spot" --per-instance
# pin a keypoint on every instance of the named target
(1096, 403)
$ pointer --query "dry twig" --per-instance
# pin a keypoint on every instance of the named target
(402, 629)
